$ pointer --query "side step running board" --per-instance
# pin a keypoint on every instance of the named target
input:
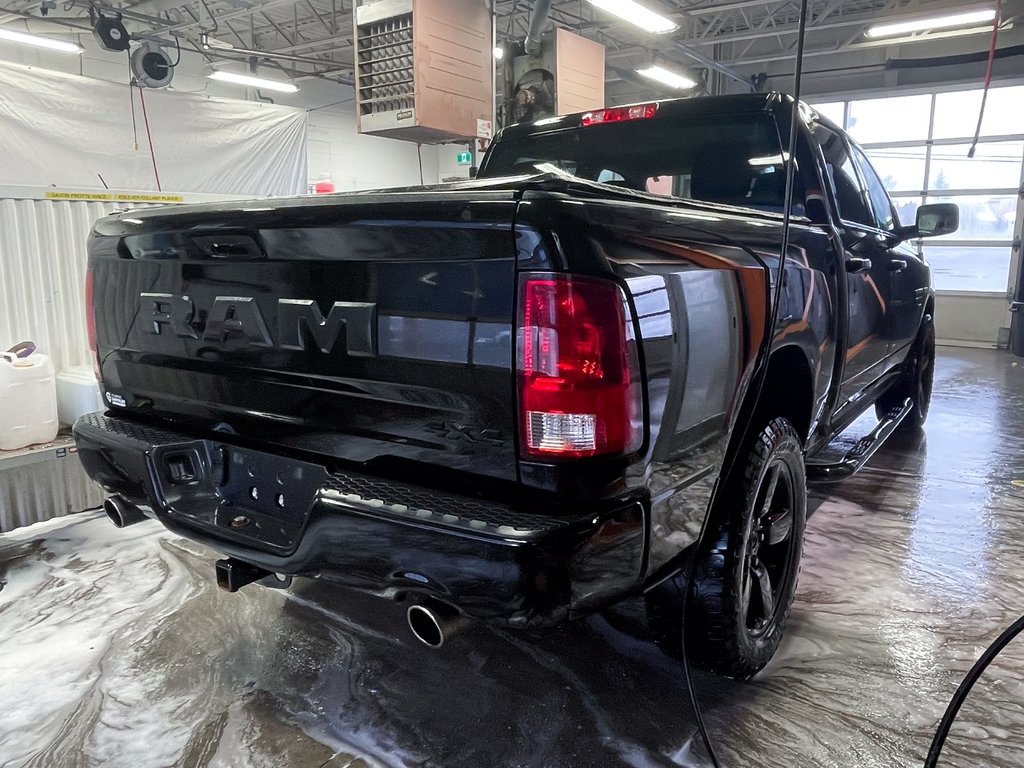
(862, 452)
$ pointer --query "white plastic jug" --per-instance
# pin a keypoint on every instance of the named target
(28, 398)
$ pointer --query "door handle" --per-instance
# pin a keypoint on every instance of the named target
(855, 265)
(897, 265)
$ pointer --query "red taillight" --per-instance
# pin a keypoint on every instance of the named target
(618, 114)
(90, 323)
(579, 381)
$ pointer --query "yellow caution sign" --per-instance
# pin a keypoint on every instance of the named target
(116, 197)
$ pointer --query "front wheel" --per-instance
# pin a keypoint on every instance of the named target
(915, 383)
(746, 580)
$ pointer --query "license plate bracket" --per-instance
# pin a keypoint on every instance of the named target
(261, 498)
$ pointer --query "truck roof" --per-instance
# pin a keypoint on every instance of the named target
(667, 108)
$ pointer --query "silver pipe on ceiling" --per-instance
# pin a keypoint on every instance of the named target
(538, 20)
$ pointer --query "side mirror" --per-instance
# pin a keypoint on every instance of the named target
(938, 219)
(933, 220)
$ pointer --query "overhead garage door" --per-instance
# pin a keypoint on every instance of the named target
(922, 156)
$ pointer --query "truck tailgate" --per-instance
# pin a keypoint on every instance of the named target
(368, 328)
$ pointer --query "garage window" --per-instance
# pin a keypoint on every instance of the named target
(922, 158)
(871, 121)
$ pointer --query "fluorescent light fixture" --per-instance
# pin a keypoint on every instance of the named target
(923, 37)
(932, 22)
(667, 77)
(252, 81)
(61, 46)
(634, 13)
(499, 53)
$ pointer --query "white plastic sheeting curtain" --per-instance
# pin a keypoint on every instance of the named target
(65, 130)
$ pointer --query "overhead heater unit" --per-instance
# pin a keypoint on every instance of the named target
(424, 70)
(565, 76)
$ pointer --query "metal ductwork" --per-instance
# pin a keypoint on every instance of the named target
(538, 20)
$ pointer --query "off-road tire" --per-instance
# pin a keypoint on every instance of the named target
(719, 635)
(915, 382)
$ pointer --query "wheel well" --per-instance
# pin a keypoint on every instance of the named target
(788, 392)
(788, 389)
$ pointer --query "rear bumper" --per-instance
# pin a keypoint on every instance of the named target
(291, 516)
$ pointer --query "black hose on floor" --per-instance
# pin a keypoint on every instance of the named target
(698, 716)
(966, 685)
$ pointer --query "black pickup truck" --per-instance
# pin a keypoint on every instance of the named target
(512, 398)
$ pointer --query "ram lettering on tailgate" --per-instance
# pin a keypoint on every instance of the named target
(240, 317)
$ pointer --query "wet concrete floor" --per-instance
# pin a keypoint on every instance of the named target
(116, 648)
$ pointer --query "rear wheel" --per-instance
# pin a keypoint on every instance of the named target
(916, 381)
(746, 580)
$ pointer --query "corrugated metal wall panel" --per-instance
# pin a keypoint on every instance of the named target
(42, 274)
(43, 490)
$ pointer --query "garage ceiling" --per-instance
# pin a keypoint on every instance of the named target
(313, 38)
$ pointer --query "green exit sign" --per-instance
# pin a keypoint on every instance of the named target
(465, 158)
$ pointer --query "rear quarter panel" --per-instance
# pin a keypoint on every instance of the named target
(700, 285)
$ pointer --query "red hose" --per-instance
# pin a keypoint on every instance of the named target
(149, 136)
(988, 77)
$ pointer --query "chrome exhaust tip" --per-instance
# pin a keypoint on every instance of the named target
(432, 622)
(121, 513)
(425, 625)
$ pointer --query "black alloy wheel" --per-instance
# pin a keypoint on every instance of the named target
(746, 577)
(770, 550)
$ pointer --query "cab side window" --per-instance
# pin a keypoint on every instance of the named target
(885, 217)
(851, 196)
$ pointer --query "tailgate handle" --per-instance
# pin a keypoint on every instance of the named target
(229, 246)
